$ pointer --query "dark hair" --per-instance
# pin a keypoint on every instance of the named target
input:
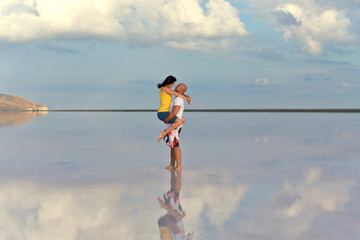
(168, 80)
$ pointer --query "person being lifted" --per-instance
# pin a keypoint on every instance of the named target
(165, 94)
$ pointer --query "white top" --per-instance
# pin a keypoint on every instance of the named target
(178, 101)
(174, 204)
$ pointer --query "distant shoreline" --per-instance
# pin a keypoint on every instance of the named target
(284, 110)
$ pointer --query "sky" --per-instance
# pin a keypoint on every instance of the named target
(110, 54)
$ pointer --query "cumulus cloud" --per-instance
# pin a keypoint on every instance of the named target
(313, 194)
(263, 139)
(263, 81)
(201, 44)
(179, 23)
(39, 210)
(218, 196)
(218, 201)
(295, 208)
(310, 26)
(346, 85)
(59, 212)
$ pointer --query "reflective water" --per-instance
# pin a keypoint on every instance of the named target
(245, 176)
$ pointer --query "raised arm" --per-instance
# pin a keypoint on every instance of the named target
(189, 99)
(183, 96)
(176, 214)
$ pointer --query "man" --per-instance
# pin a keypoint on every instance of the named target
(171, 224)
(176, 109)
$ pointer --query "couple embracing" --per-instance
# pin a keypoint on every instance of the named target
(170, 112)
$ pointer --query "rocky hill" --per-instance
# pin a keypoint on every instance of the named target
(15, 103)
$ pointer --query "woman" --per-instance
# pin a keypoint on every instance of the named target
(165, 94)
(171, 224)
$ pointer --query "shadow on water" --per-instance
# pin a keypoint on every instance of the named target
(18, 118)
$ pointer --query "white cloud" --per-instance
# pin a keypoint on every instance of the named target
(266, 81)
(43, 210)
(228, 196)
(294, 209)
(346, 135)
(312, 195)
(217, 196)
(311, 26)
(210, 199)
(201, 44)
(263, 81)
(263, 139)
(180, 22)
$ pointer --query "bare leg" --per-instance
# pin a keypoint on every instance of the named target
(177, 185)
(177, 151)
(172, 162)
(172, 181)
(173, 126)
(183, 119)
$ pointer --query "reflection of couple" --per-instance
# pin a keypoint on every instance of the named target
(170, 112)
(171, 225)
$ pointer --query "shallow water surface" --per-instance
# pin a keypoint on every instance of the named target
(69, 175)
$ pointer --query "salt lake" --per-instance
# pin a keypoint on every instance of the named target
(98, 175)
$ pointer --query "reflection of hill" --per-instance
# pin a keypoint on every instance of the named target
(8, 102)
(18, 118)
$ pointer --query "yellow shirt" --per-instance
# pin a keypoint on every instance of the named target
(165, 233)
(165, 100)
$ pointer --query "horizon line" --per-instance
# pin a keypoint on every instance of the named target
(304, 110)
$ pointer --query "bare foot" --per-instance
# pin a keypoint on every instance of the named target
(162, 135)
(161, 202)
(178, 168)
(170, 167)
